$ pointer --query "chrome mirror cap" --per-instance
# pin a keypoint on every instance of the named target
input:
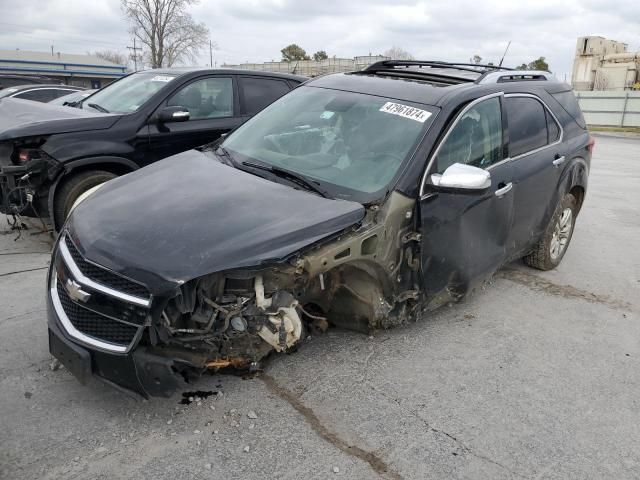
(462, 177)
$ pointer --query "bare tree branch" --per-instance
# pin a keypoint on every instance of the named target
(165, 27)
(398, 53)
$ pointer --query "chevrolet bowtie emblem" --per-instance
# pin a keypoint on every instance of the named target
(75, 291)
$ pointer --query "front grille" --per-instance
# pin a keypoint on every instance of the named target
(94, 324)
(103, 276)
(96, 306)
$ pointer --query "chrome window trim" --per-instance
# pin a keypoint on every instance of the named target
(80, 277)
(546, 107)
(71, 330)
(446, 136)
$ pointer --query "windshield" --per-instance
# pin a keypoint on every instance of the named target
(350, 143)
(128, 94)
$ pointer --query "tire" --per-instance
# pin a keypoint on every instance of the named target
(548, 252)
(72, 188)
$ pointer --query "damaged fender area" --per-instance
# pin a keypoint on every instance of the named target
(363, 279)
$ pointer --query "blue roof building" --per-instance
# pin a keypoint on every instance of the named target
(82, 70)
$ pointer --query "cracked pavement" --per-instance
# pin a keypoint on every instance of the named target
(533, 376)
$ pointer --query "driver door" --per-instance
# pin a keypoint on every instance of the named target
(213, 111)
(465, 231)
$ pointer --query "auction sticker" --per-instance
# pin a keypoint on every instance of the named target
(405, 111)
(162, 78)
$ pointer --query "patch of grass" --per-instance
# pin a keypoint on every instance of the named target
(600, 128)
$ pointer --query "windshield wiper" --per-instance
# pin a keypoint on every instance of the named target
(222, 152)
(291, 176)
(97, 107)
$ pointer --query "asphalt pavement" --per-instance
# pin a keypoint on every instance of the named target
(534, 376)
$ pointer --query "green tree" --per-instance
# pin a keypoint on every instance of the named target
(293, 52)
(320, 55)
(538, 64)
(476, 59)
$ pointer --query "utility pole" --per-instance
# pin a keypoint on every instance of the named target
(135, 54)
(210, 54)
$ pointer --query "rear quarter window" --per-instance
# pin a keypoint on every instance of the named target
(569, 103)
(527, 122)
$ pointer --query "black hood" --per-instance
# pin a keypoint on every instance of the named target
(26, 118)
(190, 215)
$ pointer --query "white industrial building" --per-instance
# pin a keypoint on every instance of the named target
(603, 64)
(313, 68)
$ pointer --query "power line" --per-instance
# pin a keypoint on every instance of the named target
(46, 33)
(135, 54)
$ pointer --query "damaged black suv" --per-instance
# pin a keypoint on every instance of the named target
(360, 200)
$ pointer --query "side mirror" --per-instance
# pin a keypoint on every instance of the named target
(173, 114)
(462, 177)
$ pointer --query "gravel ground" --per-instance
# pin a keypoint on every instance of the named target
(534, 376)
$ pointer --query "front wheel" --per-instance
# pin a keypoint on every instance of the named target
(73, 188)
(548, 252)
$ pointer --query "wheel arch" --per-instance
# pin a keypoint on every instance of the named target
(116, 165)
(575, 180)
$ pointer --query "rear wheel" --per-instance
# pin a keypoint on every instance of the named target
(548, 252)
(73, 188)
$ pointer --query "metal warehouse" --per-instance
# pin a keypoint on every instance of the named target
(80, 70)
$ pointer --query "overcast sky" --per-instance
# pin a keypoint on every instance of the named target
(256, 30)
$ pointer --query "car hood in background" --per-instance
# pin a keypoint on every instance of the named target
(190, 215)
(25, 118)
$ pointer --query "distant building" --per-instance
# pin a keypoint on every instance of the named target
(81, 70)
(602, 64)
(313, 68)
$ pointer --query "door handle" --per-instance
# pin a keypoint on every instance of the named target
(558, 161)
(504, 190)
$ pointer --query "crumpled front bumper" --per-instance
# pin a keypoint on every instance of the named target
(10, 176)
(138, 371)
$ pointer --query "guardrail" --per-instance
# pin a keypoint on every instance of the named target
(609, 108)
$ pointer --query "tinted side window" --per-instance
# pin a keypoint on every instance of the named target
(552, 128)
(476, 139)
(568, 101)
(259, 92)
(42, 95)
(206, 98)
(527, 125)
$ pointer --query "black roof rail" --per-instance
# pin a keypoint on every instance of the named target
(467, 67)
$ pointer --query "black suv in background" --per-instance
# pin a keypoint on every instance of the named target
(361, 199)
(51, 155)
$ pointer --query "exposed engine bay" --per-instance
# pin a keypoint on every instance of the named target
(363, 279)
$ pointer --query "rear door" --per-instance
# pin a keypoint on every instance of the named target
(538, 156)
(465, 234)
(258, 92)
(213, 110)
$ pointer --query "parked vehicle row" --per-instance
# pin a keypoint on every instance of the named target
(50, 155)
(39, 92)
(360, 199)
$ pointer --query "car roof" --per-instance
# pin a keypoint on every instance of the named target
(435, 82)
(34, 86)
(407, 89)
(221, 71)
